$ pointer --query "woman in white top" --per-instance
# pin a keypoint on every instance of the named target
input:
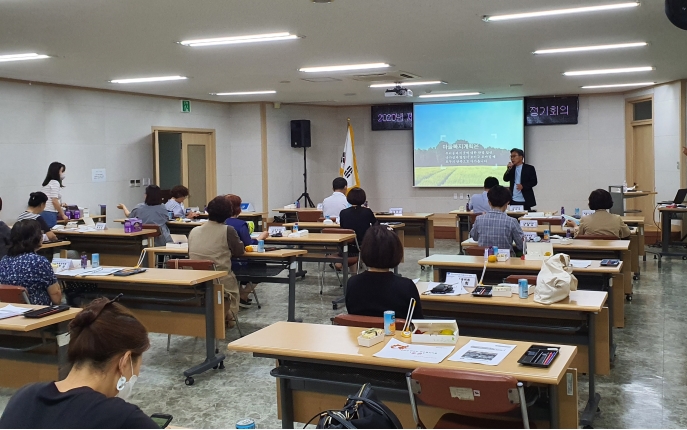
(52, 186)
(175, 204)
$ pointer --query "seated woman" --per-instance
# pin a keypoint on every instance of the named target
(175, 204)
(242, 229)
(105, 348)
(357, 217)
(218, 242)
(378, 290)
(601, 222)
(4, 236)
(37, 202)
(152, 211)
(23, 267)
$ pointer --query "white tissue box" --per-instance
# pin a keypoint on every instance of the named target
(170, 245)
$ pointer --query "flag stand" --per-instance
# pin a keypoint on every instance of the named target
(305, 196)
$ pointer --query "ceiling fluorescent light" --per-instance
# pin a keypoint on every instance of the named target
(22, 57)
(253, 38)
(599, 8)
(406, 84)
(344, 67)
(608, 71)
(153, 79)
(590, 48)
(429, 96)
(244, 93)
(637, 84)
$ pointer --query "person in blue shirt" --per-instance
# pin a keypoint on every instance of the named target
(23, 267)
(479, 203)
(495, 228)
(243, 230)
(522, 178)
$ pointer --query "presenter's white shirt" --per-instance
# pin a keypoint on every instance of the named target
(332, 205)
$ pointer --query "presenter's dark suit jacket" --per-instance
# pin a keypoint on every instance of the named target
(528, 179)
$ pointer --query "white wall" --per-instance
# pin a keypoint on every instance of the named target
(90, 129)
(571, 160)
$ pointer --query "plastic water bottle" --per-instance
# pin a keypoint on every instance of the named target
(295, 228)
(577, 212)
(562, 210)
(84, 260)
(298, 204)
(567, 234)
(486, 253)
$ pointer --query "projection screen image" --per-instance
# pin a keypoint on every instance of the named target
(460, 144)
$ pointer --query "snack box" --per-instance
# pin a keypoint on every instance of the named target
(427, 331)
(171, 245)
(501, 291)
(515, 289)
(370, 337)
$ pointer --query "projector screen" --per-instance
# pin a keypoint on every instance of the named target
(460, 144)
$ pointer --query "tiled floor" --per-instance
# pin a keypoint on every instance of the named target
(647, 387)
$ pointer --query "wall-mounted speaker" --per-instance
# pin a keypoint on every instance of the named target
(300, 133)
(676, 11)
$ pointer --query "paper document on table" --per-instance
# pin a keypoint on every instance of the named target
(488, 353)
(405, 351)
(580, 264)
(457, 289)
(10, 311)
(91, 271)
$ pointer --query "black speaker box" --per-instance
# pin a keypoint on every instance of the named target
(676, 11)
(300, 133)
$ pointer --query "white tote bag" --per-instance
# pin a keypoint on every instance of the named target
(555, 280)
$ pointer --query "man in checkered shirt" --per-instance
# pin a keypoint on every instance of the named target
(495, 228)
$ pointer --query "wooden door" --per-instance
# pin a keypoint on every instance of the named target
(198, 173)
(642, 170)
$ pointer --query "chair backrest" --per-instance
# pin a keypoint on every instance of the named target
(13, 294)
(158, 231)
(473, 217)
(309, 216)
(597, 237)
(465, 391)
(474, 250)
(513, 279)
(364, 321)
(191, 264)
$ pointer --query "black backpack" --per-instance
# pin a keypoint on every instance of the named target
(361, 411)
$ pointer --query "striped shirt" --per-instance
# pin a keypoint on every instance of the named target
(52, 190)
(495, 228)
(176, 207)
(37, 217)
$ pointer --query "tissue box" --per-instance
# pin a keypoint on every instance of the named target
(133, 225)
(367, 342)
(503, 255)
(299, 233)
(501, 291)
(430, 330)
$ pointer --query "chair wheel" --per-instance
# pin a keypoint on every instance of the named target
(422, 267)
(635, 277)
(214, 367)
(335, 306)
(684, 257)
(655, 257)
(221, 365)
(189, 380)
(628, 297)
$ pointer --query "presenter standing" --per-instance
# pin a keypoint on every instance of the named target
(522, 178)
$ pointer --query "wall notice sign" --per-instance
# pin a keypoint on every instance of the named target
(98, 175)
(186, 106)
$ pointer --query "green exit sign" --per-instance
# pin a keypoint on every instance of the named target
(186, 106)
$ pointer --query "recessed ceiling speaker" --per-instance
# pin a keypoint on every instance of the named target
(676, 11)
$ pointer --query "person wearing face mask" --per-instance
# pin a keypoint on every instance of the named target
(52, 184)
(105, 349)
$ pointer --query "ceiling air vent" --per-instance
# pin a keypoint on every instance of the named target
(321, 79)
(391, 76)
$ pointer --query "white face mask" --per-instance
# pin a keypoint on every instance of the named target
(125, 387)
(62, 176)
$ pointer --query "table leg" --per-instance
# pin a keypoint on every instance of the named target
(344, 269)
(212, 358)
(286, 399)
(665, 236)
(594, 397)
(63, 365)
(553, 407)
(292, 289)
(426, 237)
(641, 242)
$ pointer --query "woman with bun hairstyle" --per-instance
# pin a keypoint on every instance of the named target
(37, 203)
(4, 236)
(52, 185)
(23, 267)
(105, 348)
